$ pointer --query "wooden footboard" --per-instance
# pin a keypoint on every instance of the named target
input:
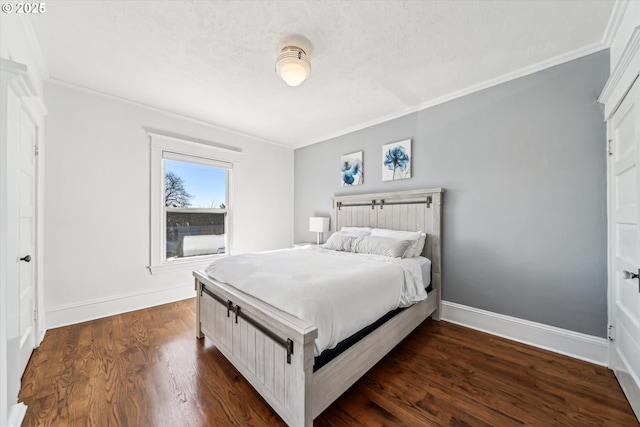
(272, 349)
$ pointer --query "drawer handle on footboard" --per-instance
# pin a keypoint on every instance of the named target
(226, 303)
(287, 344)
(230, 308)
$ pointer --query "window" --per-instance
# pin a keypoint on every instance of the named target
(190, 203)
(195, 207)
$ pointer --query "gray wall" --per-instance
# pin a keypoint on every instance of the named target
(524, 168)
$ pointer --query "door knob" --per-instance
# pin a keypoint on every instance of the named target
(629, 275)
(26, 258)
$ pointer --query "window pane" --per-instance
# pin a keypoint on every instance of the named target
(194, 185)
(192, 234)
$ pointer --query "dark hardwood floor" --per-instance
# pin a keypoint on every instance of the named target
(146, 368)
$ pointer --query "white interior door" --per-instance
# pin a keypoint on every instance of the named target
(624, 290)
(27, 237)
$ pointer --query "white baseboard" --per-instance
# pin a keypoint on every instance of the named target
(570, 343)
(16, 415)
(69, 314)
(574, 344)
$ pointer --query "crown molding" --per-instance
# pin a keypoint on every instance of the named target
(623, 76)
(522, 72)
(164, 112)
(614, 21)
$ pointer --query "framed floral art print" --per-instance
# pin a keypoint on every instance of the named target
(396, 160)
(351, 170)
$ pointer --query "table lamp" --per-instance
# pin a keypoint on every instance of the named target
(318, 225)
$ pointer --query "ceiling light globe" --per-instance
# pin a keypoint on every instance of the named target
(293, 65)
(293, 74)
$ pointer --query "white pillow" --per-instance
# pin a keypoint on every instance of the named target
(355, 231)
(413, 236)
(421, 242)
(339, 242)
(385, 246)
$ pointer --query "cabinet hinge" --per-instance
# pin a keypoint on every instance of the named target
(611, 333)
(36, 150)
(609, 146)
(35, 314)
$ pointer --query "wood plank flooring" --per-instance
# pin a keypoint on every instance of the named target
(146, 368)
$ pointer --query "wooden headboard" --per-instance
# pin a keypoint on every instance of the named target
(412, 210)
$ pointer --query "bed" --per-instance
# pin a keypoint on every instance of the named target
(276, 351)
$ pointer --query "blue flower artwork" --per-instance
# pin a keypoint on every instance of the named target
(396, 160)
(351, 170)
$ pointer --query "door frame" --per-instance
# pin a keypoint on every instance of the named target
(620, 82)
(18, 94)
(626, 371)
(35, 108)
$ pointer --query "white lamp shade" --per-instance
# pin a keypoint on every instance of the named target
(293, 73)
(318, 224)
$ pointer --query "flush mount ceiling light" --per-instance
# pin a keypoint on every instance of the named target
(293, 65)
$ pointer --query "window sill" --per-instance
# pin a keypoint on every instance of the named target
(183, 265)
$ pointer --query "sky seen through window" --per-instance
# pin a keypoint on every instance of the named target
(207, 184)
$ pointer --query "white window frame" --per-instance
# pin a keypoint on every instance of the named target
(169, 147)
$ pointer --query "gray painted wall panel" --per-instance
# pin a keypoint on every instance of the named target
(524, 166)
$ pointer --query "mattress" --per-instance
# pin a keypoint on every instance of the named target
(338, 292)
(344, 345)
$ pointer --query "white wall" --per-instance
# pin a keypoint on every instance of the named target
(524, 170)
(97, 203)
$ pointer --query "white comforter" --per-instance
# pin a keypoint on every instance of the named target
(339, 292)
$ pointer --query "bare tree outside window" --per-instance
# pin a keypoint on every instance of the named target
(175, 195)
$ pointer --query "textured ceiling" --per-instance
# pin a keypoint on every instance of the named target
(370, 60)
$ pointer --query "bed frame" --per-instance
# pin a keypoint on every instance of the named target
(274, 350)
